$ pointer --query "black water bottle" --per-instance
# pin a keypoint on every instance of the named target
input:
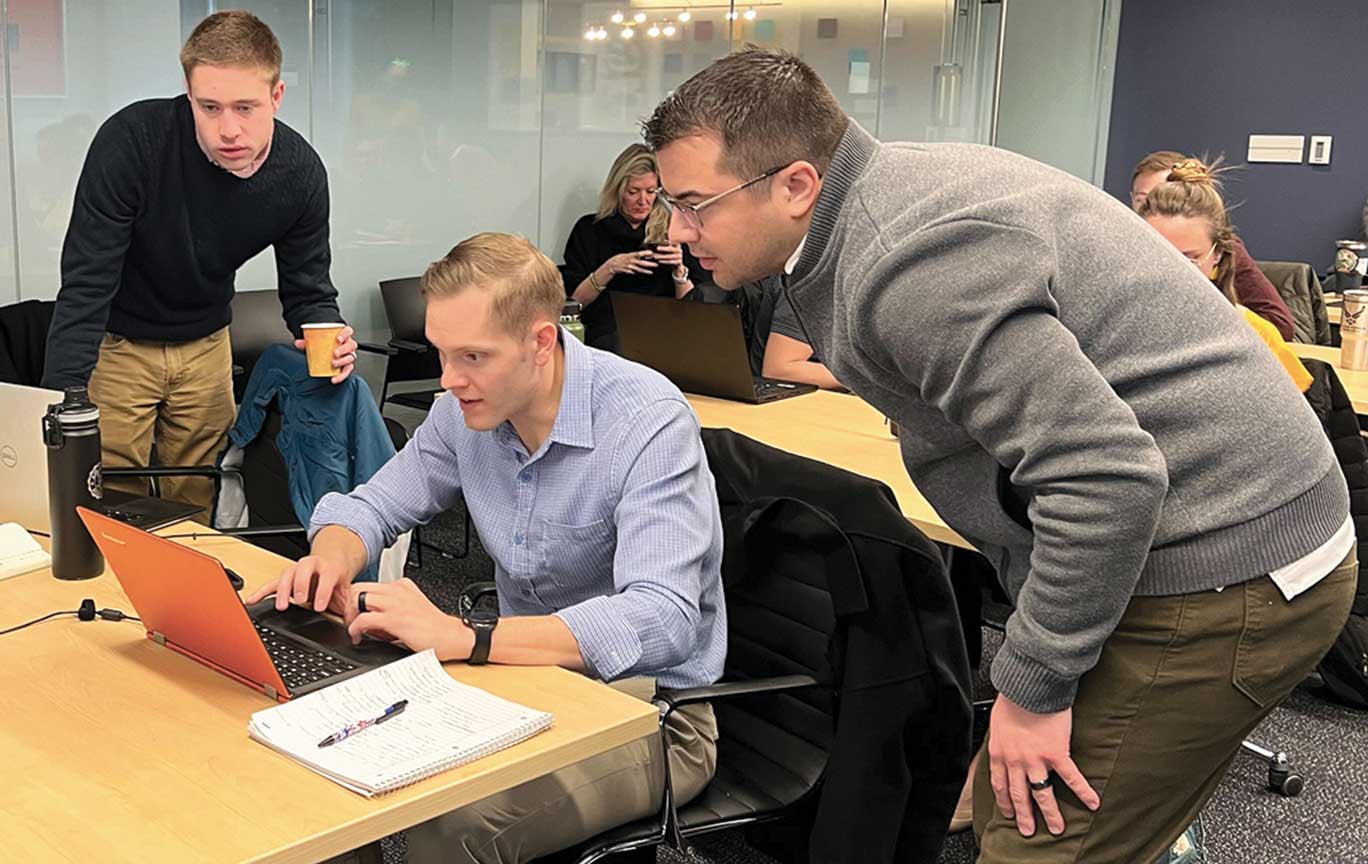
(71, 430)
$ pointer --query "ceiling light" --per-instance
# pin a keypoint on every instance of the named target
(628, 32)
(654, 31)
(750, 14)
(684, 16)
(591, 34)
(731, 16)
(617, 18)
(668, 29)
(639, 17)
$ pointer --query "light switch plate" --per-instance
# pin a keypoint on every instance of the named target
(1319, 152)
(1276, 148)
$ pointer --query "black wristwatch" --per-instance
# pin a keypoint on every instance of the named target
(480, 620)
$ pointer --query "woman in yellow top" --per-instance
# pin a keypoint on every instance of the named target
(1191, 214)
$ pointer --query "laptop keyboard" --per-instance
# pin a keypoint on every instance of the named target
(299, 665)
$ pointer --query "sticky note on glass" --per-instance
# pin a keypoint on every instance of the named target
(859, 76)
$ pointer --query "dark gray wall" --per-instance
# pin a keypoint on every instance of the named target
(1200, 77)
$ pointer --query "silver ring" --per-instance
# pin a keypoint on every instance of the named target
(361, 604)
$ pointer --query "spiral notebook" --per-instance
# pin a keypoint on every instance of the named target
(444, 724)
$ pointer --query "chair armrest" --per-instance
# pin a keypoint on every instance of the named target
(170, 471)
(731, 689)
(377, 348)
(406, 345)
(264, 531)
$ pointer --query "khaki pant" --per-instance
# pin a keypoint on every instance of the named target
(178, 395)
(1180, 683)
(576, 803)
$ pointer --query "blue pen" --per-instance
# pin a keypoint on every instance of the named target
(391, 711)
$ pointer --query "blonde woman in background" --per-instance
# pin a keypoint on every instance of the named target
(1252, 287)
(1189, 211)
(623, 247)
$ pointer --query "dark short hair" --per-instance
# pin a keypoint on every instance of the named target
(769, 109)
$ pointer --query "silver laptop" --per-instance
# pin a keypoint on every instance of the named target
(23, 470)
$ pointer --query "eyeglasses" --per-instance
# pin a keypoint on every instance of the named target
(689, 212)
(1204, 256)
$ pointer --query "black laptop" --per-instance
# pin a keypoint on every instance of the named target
(701, 347)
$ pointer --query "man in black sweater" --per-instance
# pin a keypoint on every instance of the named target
(175, 196)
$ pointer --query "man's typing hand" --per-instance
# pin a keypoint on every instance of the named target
(400, 611)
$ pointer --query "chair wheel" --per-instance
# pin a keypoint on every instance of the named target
(1284, 782)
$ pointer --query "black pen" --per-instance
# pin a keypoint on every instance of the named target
(392, 711)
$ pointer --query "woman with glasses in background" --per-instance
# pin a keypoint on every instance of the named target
(1189, 211)
(1251, 286)
(623, 247)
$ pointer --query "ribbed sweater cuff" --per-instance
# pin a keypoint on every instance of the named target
(1030, 684)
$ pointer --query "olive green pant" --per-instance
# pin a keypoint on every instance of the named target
(176, 395)
(1156, 723)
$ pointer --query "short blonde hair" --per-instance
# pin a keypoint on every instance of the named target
(523, 282)
(635, 161)
(234, 38)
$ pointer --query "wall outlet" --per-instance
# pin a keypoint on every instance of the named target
(1319, 153)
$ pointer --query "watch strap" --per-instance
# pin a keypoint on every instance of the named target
(479, 654)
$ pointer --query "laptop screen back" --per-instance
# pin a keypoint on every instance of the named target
(701, 347)
(185, 597)
(23, 456)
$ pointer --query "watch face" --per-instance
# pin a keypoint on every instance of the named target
(482, 618)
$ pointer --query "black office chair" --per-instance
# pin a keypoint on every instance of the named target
(832, 598)
(257, 324)
(408, 354)
(1300, 289)
(23, 341)
(769, 704)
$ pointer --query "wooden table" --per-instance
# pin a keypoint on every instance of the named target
(1355, 381)
(116, 749)
(835, 428)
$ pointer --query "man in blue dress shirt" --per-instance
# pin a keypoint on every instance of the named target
(586, 478)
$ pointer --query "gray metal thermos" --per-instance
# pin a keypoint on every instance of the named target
(71, 430)
(1354, 330)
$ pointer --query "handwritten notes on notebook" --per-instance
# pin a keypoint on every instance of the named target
(19, 552)
(445, 724)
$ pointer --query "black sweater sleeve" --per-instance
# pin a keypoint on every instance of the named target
(303, 262)
(108, 196)
(579, 254)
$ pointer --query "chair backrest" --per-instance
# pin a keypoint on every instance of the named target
(23, 341)
(257, 325)
(832, 581)
(405, 307)
(1301, 290)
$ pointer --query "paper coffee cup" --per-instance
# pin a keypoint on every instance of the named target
(320, 341)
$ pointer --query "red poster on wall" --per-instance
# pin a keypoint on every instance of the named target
(35, 38)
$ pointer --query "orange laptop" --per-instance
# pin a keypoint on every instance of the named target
(188, 604)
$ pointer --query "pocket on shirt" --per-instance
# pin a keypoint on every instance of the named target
(578, 557)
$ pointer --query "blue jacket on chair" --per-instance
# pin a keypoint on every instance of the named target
(332, 436)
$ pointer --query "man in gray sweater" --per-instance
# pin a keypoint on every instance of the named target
(1075, 400)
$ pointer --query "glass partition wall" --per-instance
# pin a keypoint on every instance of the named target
(440, 118)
